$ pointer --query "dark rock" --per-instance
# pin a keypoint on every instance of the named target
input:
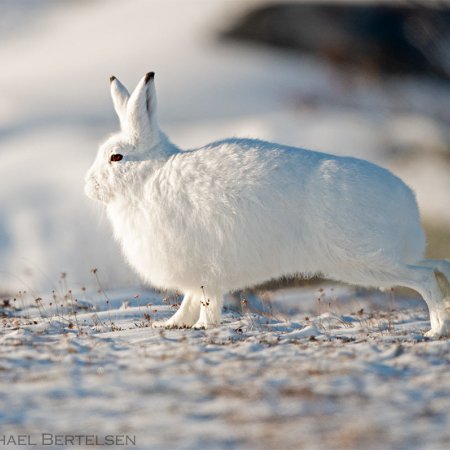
(393, 39)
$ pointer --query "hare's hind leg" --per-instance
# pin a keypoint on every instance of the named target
(430, 283)
(186, 316)
(442, 272)
(434, 287)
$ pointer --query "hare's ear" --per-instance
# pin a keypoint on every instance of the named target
(142, 121)
(120, 98)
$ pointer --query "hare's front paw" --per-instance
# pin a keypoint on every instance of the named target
(210, 312)
(186, 316)
(204, 325)
(163, 324)
(170, 323)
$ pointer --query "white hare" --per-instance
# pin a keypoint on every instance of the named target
(239, 212)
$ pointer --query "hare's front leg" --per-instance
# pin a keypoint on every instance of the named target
(210, 310)
(186, 316)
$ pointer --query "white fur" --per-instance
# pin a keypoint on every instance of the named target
(239, 212)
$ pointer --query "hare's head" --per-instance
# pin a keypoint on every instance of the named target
(139, 141)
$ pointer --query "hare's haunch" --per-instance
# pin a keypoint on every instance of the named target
(239, 212)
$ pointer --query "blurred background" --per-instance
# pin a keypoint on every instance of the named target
(361, 78)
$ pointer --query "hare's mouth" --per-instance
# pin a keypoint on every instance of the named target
(93, 190)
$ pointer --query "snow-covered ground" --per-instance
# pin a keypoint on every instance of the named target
(350, 371)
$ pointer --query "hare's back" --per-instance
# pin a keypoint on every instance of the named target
(246, 166)
(342, 196)
(250, 162)
(258, 170)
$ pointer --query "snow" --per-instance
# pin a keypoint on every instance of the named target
(352, 370)
(343, 374)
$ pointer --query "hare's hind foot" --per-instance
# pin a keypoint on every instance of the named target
(430, 279)
(186, 316)
(436, 334)
(440, 323)
(441, 318)
(440, 309)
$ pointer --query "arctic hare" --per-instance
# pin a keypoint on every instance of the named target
(239, 212)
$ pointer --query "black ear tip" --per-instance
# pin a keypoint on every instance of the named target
(149, 76)
(112, 78)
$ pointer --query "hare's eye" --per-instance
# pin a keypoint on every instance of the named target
(116, 157)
